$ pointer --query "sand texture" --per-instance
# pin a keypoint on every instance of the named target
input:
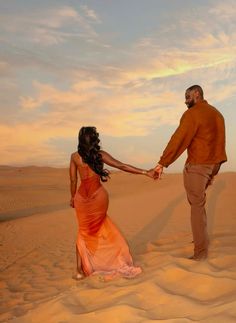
(37, 260)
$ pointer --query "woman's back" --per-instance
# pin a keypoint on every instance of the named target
(90, 181)
(83, 169)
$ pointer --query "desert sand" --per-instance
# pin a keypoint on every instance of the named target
(37, 261)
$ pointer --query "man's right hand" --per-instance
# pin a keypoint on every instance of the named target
(158, 170)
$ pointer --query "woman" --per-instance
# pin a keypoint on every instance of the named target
(100, 247)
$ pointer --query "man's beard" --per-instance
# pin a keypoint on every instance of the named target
(190, 104)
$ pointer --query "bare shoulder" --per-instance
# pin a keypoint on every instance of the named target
(75, 157)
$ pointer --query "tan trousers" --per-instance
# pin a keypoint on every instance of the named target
(196, 180)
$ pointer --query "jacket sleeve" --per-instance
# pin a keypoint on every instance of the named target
(180, 140)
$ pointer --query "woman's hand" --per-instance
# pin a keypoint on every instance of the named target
(150, 173)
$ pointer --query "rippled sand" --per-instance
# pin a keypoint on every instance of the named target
(37, 257)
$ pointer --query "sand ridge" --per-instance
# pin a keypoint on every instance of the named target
(37, 255)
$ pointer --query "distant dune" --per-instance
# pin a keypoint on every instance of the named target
(38, 261)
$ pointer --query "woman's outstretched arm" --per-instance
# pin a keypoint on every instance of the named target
(109, 160)
(73, 180)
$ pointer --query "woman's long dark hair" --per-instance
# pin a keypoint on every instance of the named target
(89, 148)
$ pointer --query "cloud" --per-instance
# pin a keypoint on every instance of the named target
(225, 11)
(4, 68)
(46, 26)
(90, 13)
(125, 91)
(31, 142)
(118, 111)
(179, 62)
(221, 94)
(201, 44)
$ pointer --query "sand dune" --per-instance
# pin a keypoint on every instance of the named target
(37, 252)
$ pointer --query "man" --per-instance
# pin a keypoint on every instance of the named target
(202, 132)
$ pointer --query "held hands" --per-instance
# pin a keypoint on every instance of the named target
(151, 173)
(158, 170)
(154, 173)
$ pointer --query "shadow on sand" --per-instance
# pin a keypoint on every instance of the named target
(151, 231)
(12, 215)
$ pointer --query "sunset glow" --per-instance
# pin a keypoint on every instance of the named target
(122, 66)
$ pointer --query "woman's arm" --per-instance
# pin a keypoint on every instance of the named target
(73, 180)
(109, 160)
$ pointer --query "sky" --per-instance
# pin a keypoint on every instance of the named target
(122, 66)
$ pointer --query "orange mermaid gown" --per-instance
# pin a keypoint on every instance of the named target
(101, 247)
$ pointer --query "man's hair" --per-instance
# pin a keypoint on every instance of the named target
(196, 87)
